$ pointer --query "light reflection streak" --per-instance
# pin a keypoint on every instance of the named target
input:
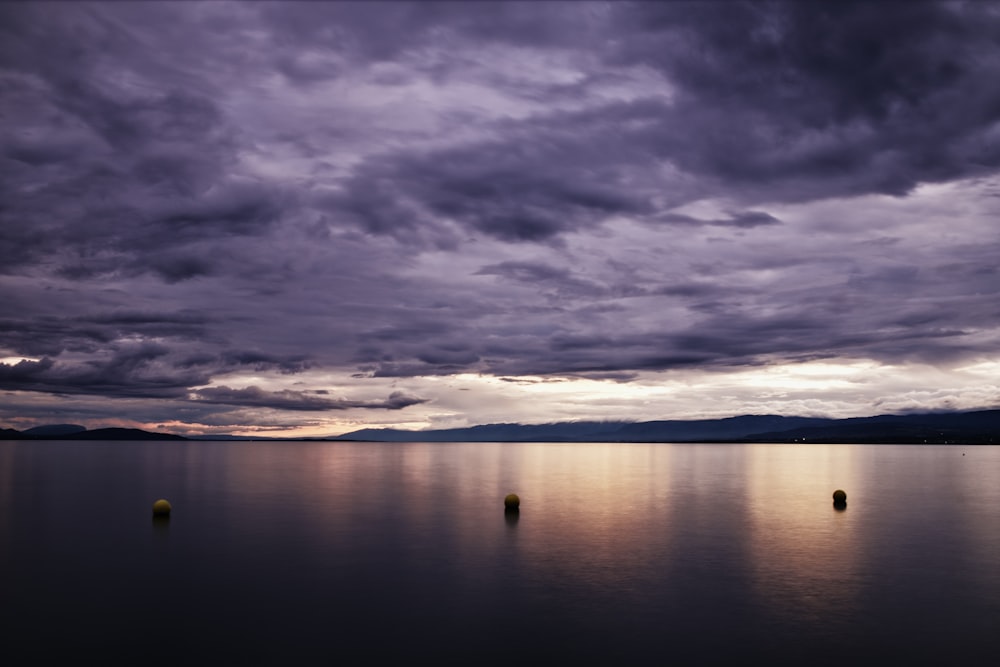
(806, 555)
(592, 515)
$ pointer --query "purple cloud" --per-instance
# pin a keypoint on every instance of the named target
(355, 196)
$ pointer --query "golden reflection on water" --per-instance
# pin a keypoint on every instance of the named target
(806, 554)
(593, 514)
(620, 518)
(977, 475)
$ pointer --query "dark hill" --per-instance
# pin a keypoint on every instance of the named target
(558, 432)
(731, 428)
(982, 427)
(45, 433)
(970, 427)
(54, 429)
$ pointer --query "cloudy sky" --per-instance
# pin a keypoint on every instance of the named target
(304, 219)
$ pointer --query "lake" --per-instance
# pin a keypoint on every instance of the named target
(321, 553)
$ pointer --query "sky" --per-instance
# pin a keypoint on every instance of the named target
(302, 219)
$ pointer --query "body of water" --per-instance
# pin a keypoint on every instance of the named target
(313, 553)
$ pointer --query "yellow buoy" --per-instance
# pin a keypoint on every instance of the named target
(161, 508)
(511, 502)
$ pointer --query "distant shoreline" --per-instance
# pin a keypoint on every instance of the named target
(980, 427)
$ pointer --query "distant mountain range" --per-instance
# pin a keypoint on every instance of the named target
(967, 427)
(77, 432)
(980, 427)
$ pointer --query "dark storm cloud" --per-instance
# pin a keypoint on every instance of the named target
(24, 370)
(53, 335)
(740, 326)
(44, 336)
(298, 400)
(195, 190)
(783, 101)
(124, 359)
(816, 99)
(176, 266)
(130, 371)
(228, 208)
(137, 369)
(519, 189)
(261, 361)
(416, 348)
(386, 31)
(743, 220)
(525, 271)
(555, 280)
(114, 162)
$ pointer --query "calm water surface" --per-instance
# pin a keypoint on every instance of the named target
(361, 553)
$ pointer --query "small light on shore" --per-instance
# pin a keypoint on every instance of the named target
(512, 502)
(161, 508)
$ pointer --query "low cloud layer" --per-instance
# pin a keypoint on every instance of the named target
(297, 400)
(253, 212)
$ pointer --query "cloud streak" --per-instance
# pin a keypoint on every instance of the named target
(297, 400)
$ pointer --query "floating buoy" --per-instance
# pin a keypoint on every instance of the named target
(839, 498)
(511, 502)
(161, 508)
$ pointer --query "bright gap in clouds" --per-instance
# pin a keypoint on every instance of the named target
(852, 388)
(816, 388)
(12, 361)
